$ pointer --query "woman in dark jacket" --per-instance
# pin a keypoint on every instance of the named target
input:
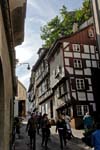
(61, 127)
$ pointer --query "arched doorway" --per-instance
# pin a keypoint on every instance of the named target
(1, 106)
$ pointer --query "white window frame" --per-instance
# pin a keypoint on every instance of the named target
(80, 84)
(76, 47)
(77, 63)
(80, 109)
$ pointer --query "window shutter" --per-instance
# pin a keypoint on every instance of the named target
(73, 84)
(86, 84)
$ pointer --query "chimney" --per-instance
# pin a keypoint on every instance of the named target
(75, 27)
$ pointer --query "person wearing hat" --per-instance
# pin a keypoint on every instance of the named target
(45, 126)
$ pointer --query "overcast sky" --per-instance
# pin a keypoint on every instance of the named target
(39, 12)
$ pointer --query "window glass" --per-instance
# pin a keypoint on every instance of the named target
(82, 109)
(77, 63)
(76, 47)
(85, 109)
(80, 84)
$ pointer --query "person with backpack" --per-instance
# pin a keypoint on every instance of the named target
(17, 126)
(31, 128)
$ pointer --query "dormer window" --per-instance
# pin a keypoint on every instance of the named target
(76, 47)
(91, 33)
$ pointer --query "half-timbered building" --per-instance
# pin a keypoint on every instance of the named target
(74, 63)
(42, 95)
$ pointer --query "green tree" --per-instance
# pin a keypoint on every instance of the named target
(57, 27)
(51, 31)
(83, 13)
(62, 25)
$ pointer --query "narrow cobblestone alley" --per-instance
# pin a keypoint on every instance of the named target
(23, 142)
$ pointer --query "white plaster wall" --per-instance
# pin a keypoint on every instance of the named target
(58, 61)
(68, 54)
(70, 70)
(15, 108)
(90, 96)
(86, 56)
(88, 63)
(86, 48)
(65, 44)
(77, 55)
(81, 96)
(78, 72)
(87, 71)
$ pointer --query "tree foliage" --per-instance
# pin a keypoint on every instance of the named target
(83, 13)
(62, 25)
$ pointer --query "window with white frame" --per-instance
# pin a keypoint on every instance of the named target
(80, 85)
(76, 47)
(77, 63)
(82, 109)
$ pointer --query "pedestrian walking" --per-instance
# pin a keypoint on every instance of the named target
(88, 121)
(38, 120)
(31, 128)
(96, 137)
(45, 127)
(69, 134)
(61, 127)
(17, 126)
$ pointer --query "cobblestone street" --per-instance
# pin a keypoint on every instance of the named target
(73, 144)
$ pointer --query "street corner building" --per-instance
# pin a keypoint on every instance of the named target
(12, 16)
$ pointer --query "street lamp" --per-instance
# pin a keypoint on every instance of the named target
(19, 64)
(28, 65)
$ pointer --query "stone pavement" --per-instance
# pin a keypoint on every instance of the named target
(53, 144)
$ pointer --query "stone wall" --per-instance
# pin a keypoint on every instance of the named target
(6, 90)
